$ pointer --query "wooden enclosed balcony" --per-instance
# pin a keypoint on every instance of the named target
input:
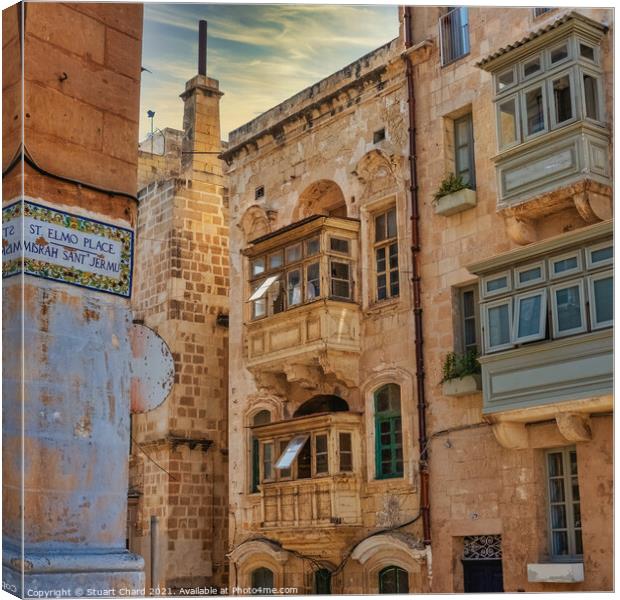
(302, 314)
(310, 471)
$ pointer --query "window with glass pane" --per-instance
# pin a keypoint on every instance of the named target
(558, 54)
(602, 301)
(586, 52)
(599, 256)
(562, 99)
(267, 461)
(505, 79)
(393, 580)
(293, 253)
(564, 503)
(340, 279)
(469, 321)
(346, 452)
(304, 461)
(534, 111)
(568, 311)
(526, 276)
(386, 255)
(339, 245)
(260, 418)
(590, 91)
(312, 246)
(276, 260)
(313, 281)
(322, 582)
(293, 287)
(532, 66)
(321, 461)
(259, 307)
(284, 473)
(454, 34)
(257, 267)
(508, 123)
(530, 317)
(565, 265)
(388, 432)
(464, 150)
(498, 323)
(494, 284)
(262, 581)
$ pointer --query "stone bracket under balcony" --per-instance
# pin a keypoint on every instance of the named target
(307, 344)
(564, 380)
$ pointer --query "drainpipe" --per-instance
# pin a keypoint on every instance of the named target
(154, 552)
(417, 294)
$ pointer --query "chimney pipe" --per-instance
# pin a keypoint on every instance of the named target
(202, 48)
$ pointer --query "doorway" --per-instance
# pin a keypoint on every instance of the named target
(482, 564)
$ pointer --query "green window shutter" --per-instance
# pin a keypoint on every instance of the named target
(388, 432)
(393, 580)
(255, 466)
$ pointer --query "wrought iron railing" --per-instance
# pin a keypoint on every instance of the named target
(454, 34)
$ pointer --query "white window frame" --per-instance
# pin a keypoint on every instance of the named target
(554, 308)
(515, 80)
(594, 324)
(485, 315)
(555, 259)
(595, 47)
(508, 288)
(529, 267)
(568, 42)
(522, 75)
(599, 95)
(601, 263)
(523, 98)
(542, 319)
(554, 124)
(517, 103)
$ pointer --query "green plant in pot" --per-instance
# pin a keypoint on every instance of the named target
(449, 185)
(457, 366)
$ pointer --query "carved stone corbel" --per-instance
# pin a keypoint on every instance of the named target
(269, 382)
(594, 202)
(521, 230)
(511, 435)
(344, 368)
(575, 427)
(307, 377)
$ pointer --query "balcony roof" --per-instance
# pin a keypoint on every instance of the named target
(307, 423)
(537, 33)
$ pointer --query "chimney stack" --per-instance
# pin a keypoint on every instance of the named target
(202, 48)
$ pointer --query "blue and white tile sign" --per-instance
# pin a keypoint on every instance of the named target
(73, 249)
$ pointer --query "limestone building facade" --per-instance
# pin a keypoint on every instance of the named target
(518, 270)
(421, 365)
(178, 462)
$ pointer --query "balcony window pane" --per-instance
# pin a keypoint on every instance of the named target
(284, 473)
(586, 51)
(590, 90)
(339, 245)
(257, 266)
(529, 315)
(499, 325)
(530, 275)
(508, 122)
(558, 54)
(312, 246)
(340, 281)
(565, 265)
(531, 66)
(603, 299)
(601, 255)
(276, 260)
(276, 295)
(535, 111)
(505, 79)
(494, 285)
(304, 461)
(267, 461)
(321, 457)
(568, 302)
(313, 281)
(562, 99)
(346, 453)
(293, 253)
(293, 287)
(290, 453)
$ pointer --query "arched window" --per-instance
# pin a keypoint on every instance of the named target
(262, 581)
(388, 432)
(323, 582)
(393, 580)
(260, 418)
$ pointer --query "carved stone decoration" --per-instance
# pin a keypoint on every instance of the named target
(521, 230)
(377, 172)
(575, 427)
(511, 435)
(255, 222)
(482, 547)
(269, 383)
(319, 197)
(307, 377)
(594, 203)
(344, 368)
(390, 515)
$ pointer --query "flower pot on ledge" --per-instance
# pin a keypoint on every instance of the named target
(465, 386)
(455, 202)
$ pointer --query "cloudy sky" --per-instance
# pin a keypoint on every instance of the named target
(260, 53)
